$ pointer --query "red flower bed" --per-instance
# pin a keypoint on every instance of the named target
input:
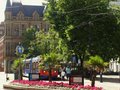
(55, 84)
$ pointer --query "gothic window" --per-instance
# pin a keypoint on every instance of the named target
(7, 16)
(20, 16)
(35, 16)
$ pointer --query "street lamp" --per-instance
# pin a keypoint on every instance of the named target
(19, 52)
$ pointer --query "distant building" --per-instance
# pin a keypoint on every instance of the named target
(19, 17)
(114, 65)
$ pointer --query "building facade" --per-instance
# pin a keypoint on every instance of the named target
(19, 17)
(114, 65)
(2, 29)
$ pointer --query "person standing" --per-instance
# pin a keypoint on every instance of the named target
(68, 72)
(63, 75)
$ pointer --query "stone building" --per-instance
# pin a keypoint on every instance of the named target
(2, 46)
(114, 65)
(19, 17)
(2, 29)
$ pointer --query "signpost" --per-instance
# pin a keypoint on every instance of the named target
(75, 79)
(77, 76)
(19, 52)
(19, 49)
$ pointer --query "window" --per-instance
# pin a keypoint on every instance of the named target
(23, 27)
(20, 15)
(27, 65)
(7, 29)
(35, 16)
(34, 65)
(37, 27)
(1, 32)
(8, 48)
(7, 16)
(16, 32)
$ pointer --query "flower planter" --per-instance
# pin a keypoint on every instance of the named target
(52, 85)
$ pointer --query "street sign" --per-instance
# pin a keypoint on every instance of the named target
(75, 79)
(19, 49)
(77, 76)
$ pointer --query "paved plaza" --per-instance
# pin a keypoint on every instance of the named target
(4, 81)
(109, 82)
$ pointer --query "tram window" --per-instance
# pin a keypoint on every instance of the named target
(34, 65)
(37, 64)
(27, 65)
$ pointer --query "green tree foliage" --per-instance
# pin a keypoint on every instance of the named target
(95, 64)
(17, 65)
(86, 25)
(47, 42)
(50, 60)
(52, 49)
(116, 40)
(41, 42)
(29, 36)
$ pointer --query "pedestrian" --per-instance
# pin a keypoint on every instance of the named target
(63, 75)
(68, 72)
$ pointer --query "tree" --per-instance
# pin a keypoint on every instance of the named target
(29, 36)
(95, 64)
(47, 42)
(17, 66)
(88, 26)
(49, 61)
(52, 48)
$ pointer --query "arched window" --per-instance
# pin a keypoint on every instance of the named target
(35, 16)
(20, 15)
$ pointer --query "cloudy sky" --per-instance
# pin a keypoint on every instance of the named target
(25, 2)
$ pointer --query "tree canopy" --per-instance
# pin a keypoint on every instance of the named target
(88, 26)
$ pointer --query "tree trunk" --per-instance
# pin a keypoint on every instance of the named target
(93, 78)
(50, 80)
(20, 70)
(20, 73)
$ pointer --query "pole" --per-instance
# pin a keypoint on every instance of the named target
(101, 80)
(20, 71)
(19, 51)
(82, 58)
(6, 64)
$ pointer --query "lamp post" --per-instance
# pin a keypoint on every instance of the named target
(19, 52)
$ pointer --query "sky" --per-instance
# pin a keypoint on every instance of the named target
(24, 2)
